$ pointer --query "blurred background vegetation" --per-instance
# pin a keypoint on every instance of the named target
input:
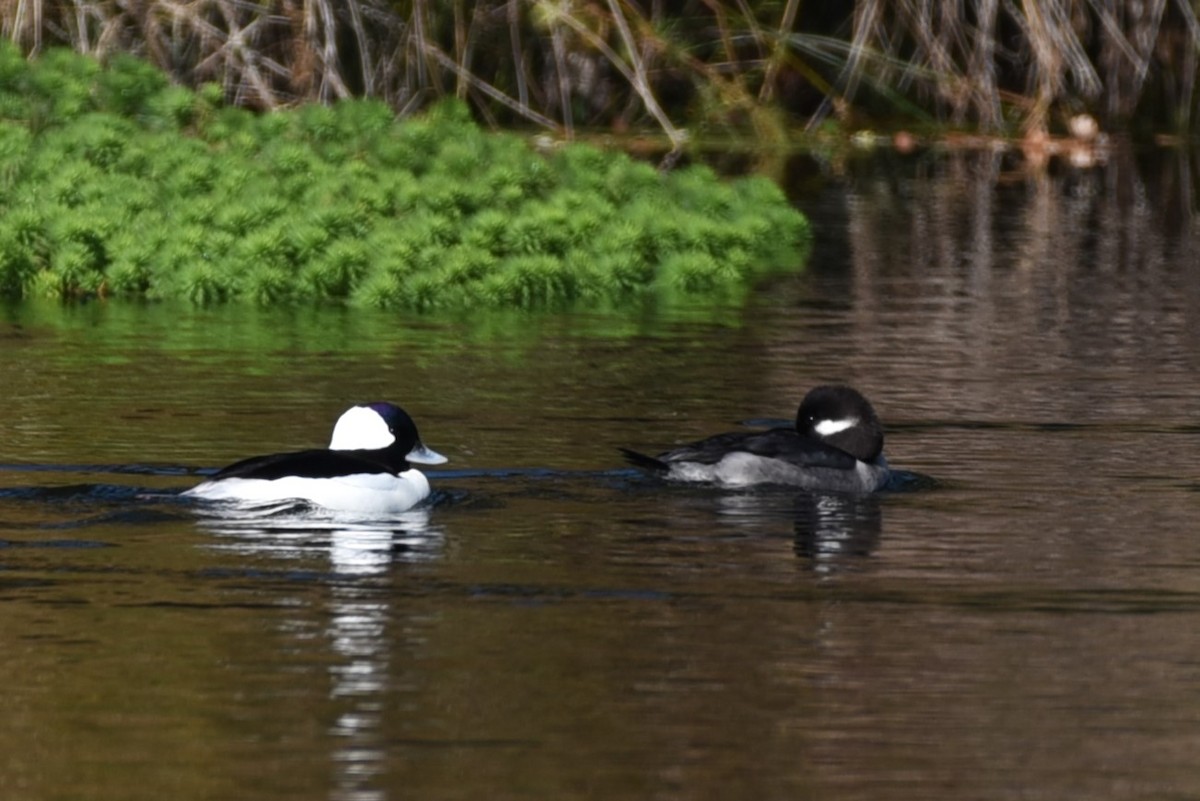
(712, 67)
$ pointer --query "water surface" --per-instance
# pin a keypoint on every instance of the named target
(556, 626)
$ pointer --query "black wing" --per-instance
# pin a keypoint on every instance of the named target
(316, 463)
(778, 443)
(645, 462)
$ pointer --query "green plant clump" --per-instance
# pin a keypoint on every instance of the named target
(113, 181)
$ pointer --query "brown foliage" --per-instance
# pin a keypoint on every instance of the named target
(562, 64)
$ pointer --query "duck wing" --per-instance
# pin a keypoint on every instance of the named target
(314, 463)
(783, 444)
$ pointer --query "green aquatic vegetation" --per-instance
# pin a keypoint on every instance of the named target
(114, 182)
(333, 272)
(19, 264)
(130, 87)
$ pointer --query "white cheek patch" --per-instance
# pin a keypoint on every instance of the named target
(360, 428)
(827, 428)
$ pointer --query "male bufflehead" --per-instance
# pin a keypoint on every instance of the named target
(366, 468)
(836, 445)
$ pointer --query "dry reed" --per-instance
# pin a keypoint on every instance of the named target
(565, 64)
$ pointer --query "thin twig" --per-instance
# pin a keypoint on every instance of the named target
(514, 29)
(564, 80)
(490, 90)
(785, 26)
(638, 81)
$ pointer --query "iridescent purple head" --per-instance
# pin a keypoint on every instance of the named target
(380, 426)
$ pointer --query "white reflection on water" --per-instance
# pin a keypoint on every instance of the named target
(354, 546)
(357, 633)
(359, 551)
(831, 531)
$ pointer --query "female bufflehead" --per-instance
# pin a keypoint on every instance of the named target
(366, 468)
(837, 445)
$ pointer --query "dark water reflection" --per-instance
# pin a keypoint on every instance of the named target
(556, 626)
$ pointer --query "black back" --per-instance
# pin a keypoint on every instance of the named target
(315, 463)
(784, 444)
(643, 461)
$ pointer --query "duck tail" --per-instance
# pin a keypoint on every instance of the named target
(643, 461)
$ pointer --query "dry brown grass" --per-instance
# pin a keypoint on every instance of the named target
(564, 64)
(994, 63)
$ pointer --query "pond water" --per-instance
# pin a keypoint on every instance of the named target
(1018, 620)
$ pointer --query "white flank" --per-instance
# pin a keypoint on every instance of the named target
(364, 493)
(360, 429)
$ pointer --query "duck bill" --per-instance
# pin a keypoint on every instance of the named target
(422, 455)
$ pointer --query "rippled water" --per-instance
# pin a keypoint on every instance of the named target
(1019, 624)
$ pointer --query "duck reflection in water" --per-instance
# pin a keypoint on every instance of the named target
(352, 546)
(832, 531)
(357, 617)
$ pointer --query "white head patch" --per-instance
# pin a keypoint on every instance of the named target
(360, 428)
(827, 428)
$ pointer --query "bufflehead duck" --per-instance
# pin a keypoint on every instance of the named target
(836, 445)
(366, 468)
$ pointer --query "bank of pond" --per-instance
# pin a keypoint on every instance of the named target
(115, 182)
